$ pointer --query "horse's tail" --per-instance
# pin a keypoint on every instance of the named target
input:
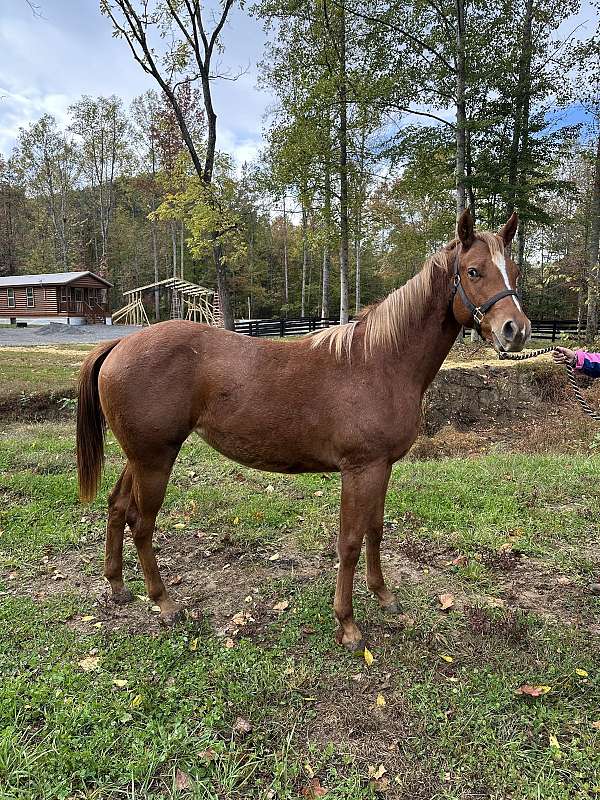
(91, 423)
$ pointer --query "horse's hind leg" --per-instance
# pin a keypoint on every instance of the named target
(149, 486)
(118, 503)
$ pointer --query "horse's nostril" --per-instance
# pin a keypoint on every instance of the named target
(509, 330)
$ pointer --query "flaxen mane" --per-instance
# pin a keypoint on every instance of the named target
(387, 323)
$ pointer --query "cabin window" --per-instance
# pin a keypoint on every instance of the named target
(30, 297)
(10, 295)
(78, 295)
(64, 295)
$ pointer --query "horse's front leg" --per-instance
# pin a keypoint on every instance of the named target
(361, 514)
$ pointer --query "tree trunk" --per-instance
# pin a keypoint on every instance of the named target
(343, 164)
(223, 287)
(286, 292)
(592, 254)
(461, 113)
(304, 264)
(522, 97)
(326, 252)
(155, 261)
(357, 243)
(181, 250)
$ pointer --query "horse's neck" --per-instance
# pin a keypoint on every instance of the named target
(426, 347)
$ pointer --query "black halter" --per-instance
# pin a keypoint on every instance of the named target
(477, 312)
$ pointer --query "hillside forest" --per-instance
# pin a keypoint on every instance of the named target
(387, 119)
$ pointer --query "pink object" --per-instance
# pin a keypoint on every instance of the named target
(583, 356)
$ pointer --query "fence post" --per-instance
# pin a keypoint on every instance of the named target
(553, 330)
(282, 327)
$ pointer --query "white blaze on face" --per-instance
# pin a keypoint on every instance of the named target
(500, 262)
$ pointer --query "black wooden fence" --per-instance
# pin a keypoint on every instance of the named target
(551, 329)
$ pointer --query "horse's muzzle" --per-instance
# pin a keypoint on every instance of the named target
(509, 337)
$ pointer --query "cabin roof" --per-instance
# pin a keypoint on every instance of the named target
(49, 279)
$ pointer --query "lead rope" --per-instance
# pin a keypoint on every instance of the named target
(560, 359)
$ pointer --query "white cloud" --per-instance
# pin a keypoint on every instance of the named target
(48, 63)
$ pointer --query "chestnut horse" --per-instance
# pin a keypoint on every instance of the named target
(346, 399)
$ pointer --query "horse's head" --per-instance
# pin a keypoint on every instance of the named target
(484, 285)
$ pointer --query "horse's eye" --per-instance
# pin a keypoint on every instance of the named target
(472, 273)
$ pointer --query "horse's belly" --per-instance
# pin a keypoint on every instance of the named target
(275, 456)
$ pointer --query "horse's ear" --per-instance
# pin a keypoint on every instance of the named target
(465, 229)
(507, 232)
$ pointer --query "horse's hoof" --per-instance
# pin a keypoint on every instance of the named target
(172, 617)
(356, 648)
(352, 645)
(122, 597)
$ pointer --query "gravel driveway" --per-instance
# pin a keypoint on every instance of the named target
(57, 333)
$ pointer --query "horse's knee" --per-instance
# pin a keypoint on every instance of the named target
(349, 551)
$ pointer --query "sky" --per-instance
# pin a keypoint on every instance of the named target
(47, 62)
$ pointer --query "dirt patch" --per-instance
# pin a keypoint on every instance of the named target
(209, 576)
(372, 736)
(216, 580)
(52, 406)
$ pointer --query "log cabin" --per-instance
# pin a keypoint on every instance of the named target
(73, 298)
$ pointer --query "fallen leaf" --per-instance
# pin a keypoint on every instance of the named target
(447, 659)
(459, 561)
(241, 618)
(270, 488)
(241, 727)
(175, 581)
(120, 682)
(229, 643)
(236, 520)
(596, 725)
(505, 548)
(156, 609)
(98, 624)
(90, 663)
(207, 755)
(318, 494)
(281, 606)
(446, 601)
(88, 618)
(533, 691)
(314, 789)
(194, 644)
(555, 747)
(137, 701)
(581, 672)
(380, 702)
(377, 772)
(182, 780)
(274, 557)
(179, 525)
(368, 656)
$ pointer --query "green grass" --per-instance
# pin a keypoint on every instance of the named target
(26, 371)
(449, 729)
(544, 505)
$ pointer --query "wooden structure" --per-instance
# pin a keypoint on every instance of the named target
(188, 301)
(74, 298)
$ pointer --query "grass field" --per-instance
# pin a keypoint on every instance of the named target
(251, 697)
